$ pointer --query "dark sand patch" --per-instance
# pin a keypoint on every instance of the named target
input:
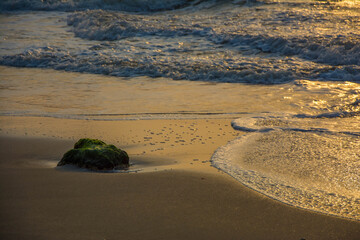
(44, 203)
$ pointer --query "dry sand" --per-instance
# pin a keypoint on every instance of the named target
(174, 193)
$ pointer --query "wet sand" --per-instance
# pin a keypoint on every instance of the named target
(174, 193)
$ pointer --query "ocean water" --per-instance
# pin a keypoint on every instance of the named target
(286, 71)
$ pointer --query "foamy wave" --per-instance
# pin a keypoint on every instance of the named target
(74, 5)
(306, 162)
(175, 67)
(178, 67)
(262, 44)
(284, 166)
(322, 50)
(332, 50)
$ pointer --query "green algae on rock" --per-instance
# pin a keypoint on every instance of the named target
(94, 154)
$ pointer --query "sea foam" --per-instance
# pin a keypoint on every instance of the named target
(299, 162)
(337, 49)
(74, 5)
(308, 160)
(258, 43)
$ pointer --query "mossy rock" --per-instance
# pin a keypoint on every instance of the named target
(94, 154)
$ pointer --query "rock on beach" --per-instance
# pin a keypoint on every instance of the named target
(95, 154)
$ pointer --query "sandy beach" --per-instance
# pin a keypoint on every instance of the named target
(173, 193)
(241, 119)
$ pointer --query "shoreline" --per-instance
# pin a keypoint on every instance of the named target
(178, 195)
(164, 144)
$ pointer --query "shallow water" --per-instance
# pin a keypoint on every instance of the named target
(223, 41)
(287, 71)
(308, 163)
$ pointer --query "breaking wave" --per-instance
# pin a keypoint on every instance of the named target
(215, 66)
(239, 41)
(120, 5)
(102, 25)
